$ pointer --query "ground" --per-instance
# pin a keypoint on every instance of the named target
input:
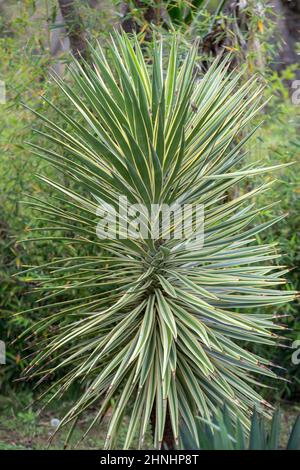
(22, 428)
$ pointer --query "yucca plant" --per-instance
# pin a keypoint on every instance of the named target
(161, 333)
(222, 434)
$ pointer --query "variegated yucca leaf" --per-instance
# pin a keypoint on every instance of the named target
(165, 321)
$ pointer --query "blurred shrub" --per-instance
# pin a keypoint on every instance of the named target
(24, 68)
(278, 142)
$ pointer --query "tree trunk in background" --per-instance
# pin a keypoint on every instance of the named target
(288, 30)
(75, 29)
(59, 43)
(150, 13)
(127, 22)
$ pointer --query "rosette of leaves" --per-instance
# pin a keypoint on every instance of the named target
(162, 329)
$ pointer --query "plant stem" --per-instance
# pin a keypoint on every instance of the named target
(168, 441)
